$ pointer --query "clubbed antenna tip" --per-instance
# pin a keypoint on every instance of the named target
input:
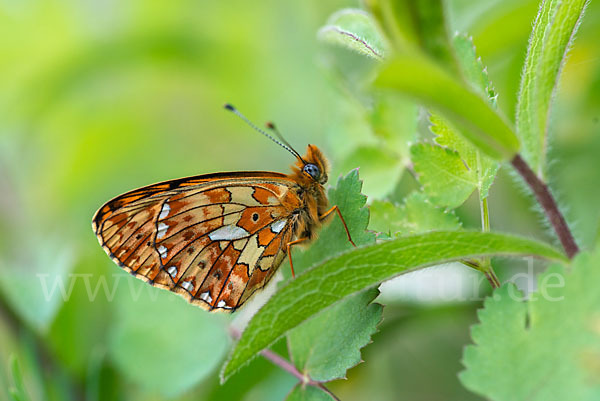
(284, 144)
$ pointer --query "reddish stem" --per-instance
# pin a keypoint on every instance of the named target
(544, 197)
(286, 365)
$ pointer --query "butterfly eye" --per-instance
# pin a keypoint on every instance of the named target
(312, 170)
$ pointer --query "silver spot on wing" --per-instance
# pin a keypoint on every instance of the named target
(228, 233)
(278, 226)
(164, 212)
(205, 296)
(162, 230)
(162, 250)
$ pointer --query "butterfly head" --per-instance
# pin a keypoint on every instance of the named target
(313, 166)
(310, 169)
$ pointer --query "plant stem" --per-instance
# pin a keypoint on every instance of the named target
(492, 278)
(485, 216)
(485, 266)
(286, 365)
(488, 271)
(544, 197)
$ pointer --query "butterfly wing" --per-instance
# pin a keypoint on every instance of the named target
(213, 239)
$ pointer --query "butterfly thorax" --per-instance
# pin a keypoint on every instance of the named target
(310, 189)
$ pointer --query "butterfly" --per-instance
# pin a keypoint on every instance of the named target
(217, 239)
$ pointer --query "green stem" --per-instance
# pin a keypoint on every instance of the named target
(488, 271)
(485, 265)
(485, 216)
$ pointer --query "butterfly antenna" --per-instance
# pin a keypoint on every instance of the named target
(272, 127)
(284, 145)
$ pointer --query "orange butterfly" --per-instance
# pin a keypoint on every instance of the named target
(216, 239)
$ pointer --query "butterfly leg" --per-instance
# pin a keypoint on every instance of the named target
(289, 246)
(337, 209)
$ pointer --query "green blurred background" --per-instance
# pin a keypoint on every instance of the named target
(100, 97)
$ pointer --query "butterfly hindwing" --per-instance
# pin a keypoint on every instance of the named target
(213, 239)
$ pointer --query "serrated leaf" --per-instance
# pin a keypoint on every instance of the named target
(445, 178)
(332, 237)
(553, 33)
(385, 217)
(422, 79)
(472, 68)
(547, 348)
(324, 347)
(474, 73)
(302, 392)
(446, 136)
(161, 342)
(355, 30)
(416, 215)
(363, 268)
(484, 168)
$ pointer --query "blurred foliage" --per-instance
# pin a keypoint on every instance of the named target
(99, 97)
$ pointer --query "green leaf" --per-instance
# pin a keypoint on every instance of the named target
(472, 68)
(481, 168)
(324, 347)
(430, 23)
(355, 30)
(422, 79)
(416, 215)
(332, 237)
(386, 217)
(363, 268)
(474, 73)
(547, 348)
(161, 342)
(446, 179)
(396, 22)
(552, 36)
(302, 392)
(412, 25)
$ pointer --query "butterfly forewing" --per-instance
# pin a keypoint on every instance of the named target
(214, 239)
